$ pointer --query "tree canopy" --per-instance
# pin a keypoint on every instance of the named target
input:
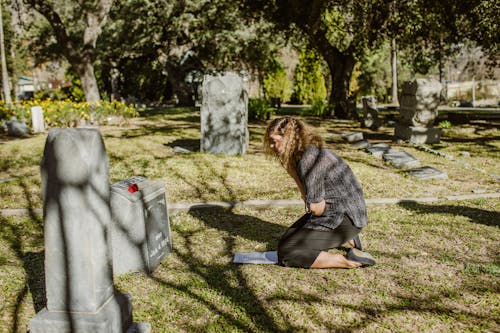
(155, 49)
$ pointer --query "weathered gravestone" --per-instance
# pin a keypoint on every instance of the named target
(370, 113)
(77, 219)
(140, 229)
(400, 159)
(353, 137)
(418, 110)
(427, 172)
(224, 115)
(37, 119)
(378, 149)
(17, 128)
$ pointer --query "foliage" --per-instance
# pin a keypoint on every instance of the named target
(445, 124)
(6, 111)
(431, 31)
(319, 107)
(67, 113)
(151, 60)
(309, 82)
(259, 109)
(74, 30)
(276, 83)
(375, 73)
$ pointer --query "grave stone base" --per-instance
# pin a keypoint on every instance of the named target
(115, 316)
(415, 134)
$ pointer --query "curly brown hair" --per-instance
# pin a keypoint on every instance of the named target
(296, 134)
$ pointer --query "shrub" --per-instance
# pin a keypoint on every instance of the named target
(277, 86)
(68, 113)
(259, 109)
(318, 108)
(445, 124)
(309, 83)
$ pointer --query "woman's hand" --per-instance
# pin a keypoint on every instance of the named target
(317, 208)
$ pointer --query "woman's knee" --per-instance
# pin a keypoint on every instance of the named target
(296, 257)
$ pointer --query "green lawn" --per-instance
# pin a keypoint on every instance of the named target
(438, 263)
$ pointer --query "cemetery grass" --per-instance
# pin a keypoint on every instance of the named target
(146, 147)
(438, 263)
(437, 270)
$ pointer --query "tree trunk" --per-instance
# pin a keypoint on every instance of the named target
(5, 75)
(341, 67)
(394, 67)
(85, 70)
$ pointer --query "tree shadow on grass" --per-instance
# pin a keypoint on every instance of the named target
(476, 215)
(218, 277)
(189, 144)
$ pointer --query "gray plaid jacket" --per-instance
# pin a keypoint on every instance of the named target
(326, 176)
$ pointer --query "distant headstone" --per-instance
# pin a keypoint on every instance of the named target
(427, 172)
(77, 219)
(17, 128)
(353, 137)
(37, 119)
(378, 149)
(400, 159)
(224, 115)
(141, 230)
(418, 110)
(370, 113)
(363, 144)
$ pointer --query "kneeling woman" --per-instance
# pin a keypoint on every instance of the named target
(334, 200)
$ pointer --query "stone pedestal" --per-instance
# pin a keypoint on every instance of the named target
(415, 134)
(77, 219)
(224, 115)
(418, 110)
(140, 229)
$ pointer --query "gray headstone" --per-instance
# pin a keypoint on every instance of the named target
(224, 115)
(141, 229)
(378, 149)
(77, 219)
(418, 110)
(418, 102)
(353, 137)
(37, 119)
(17, 128)
(360, 144)
(400, 159)
(370, 113)
(427, 172)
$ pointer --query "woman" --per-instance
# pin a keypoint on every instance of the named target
(333, 197)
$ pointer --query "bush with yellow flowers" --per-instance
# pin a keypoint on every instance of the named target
(67, 113)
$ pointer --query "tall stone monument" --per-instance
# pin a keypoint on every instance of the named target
(224, 114)
(418, 110)
(77, 218)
